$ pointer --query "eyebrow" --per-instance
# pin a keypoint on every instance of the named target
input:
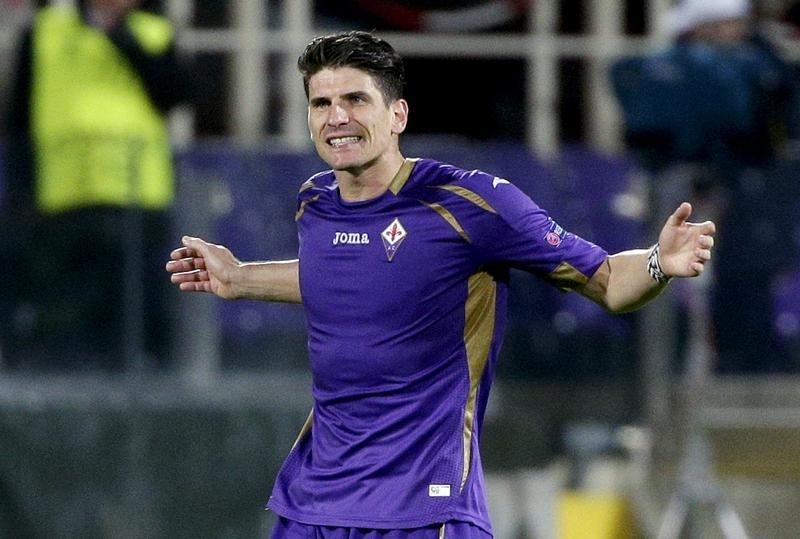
(357, 93)
(316, 101)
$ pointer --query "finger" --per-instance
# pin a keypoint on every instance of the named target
(708, 228)
(196, 244)
(705, 241)
(183, 253)
(176, 258)
(197, 286)
(180, 252)
(186, 264)
(697, 268)
(680, 215)
(189, 276)
(703, 254)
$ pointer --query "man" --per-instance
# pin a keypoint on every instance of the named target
(87, 141)
(403, 272)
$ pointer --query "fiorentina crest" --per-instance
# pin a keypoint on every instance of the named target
(392, 236)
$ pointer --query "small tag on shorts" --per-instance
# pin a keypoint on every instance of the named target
(439, 491)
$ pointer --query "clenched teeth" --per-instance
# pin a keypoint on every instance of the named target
(338, 141)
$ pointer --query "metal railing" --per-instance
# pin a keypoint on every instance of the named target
(251, 44)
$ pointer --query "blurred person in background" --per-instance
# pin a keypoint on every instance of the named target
(87, 146)
(708, 118)
(403, 272)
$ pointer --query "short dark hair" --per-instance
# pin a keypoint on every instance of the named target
(359, 50)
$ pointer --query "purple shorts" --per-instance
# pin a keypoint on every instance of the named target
(289, 529)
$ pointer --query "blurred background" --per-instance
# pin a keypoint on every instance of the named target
(168, 415)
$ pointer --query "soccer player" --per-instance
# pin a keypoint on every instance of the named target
(403, 274)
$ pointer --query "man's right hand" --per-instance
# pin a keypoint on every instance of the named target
(200, 266)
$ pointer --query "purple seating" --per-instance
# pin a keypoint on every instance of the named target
(257, 193)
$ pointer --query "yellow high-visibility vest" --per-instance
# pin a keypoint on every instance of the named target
(99, 139)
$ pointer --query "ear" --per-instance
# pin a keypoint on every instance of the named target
(399, 110)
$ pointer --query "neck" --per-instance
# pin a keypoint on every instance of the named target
(371, 180)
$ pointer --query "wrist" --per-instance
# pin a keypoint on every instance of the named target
(654, 265)
(236, 281)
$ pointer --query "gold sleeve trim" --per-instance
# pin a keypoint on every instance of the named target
(472, 196)
(566, 277)
(478, 332)
(450, 218)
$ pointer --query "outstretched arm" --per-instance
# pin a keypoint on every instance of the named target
(200, 266)
(623, 283)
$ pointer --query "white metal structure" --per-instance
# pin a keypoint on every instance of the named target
(250, 43)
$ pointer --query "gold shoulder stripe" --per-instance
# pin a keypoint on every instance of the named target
(402, 175)
(450, 218)
(566, 277)
(302, 207)
(472, 196)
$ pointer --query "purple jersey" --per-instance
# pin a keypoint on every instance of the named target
(405, 297)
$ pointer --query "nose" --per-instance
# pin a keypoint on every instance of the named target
(337, 115)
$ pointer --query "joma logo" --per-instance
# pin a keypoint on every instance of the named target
(350, 238)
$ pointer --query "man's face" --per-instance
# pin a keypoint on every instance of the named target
(350, 123)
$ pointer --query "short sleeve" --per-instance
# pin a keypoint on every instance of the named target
(507, 227)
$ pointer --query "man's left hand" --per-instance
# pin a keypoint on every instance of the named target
(685, 247)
